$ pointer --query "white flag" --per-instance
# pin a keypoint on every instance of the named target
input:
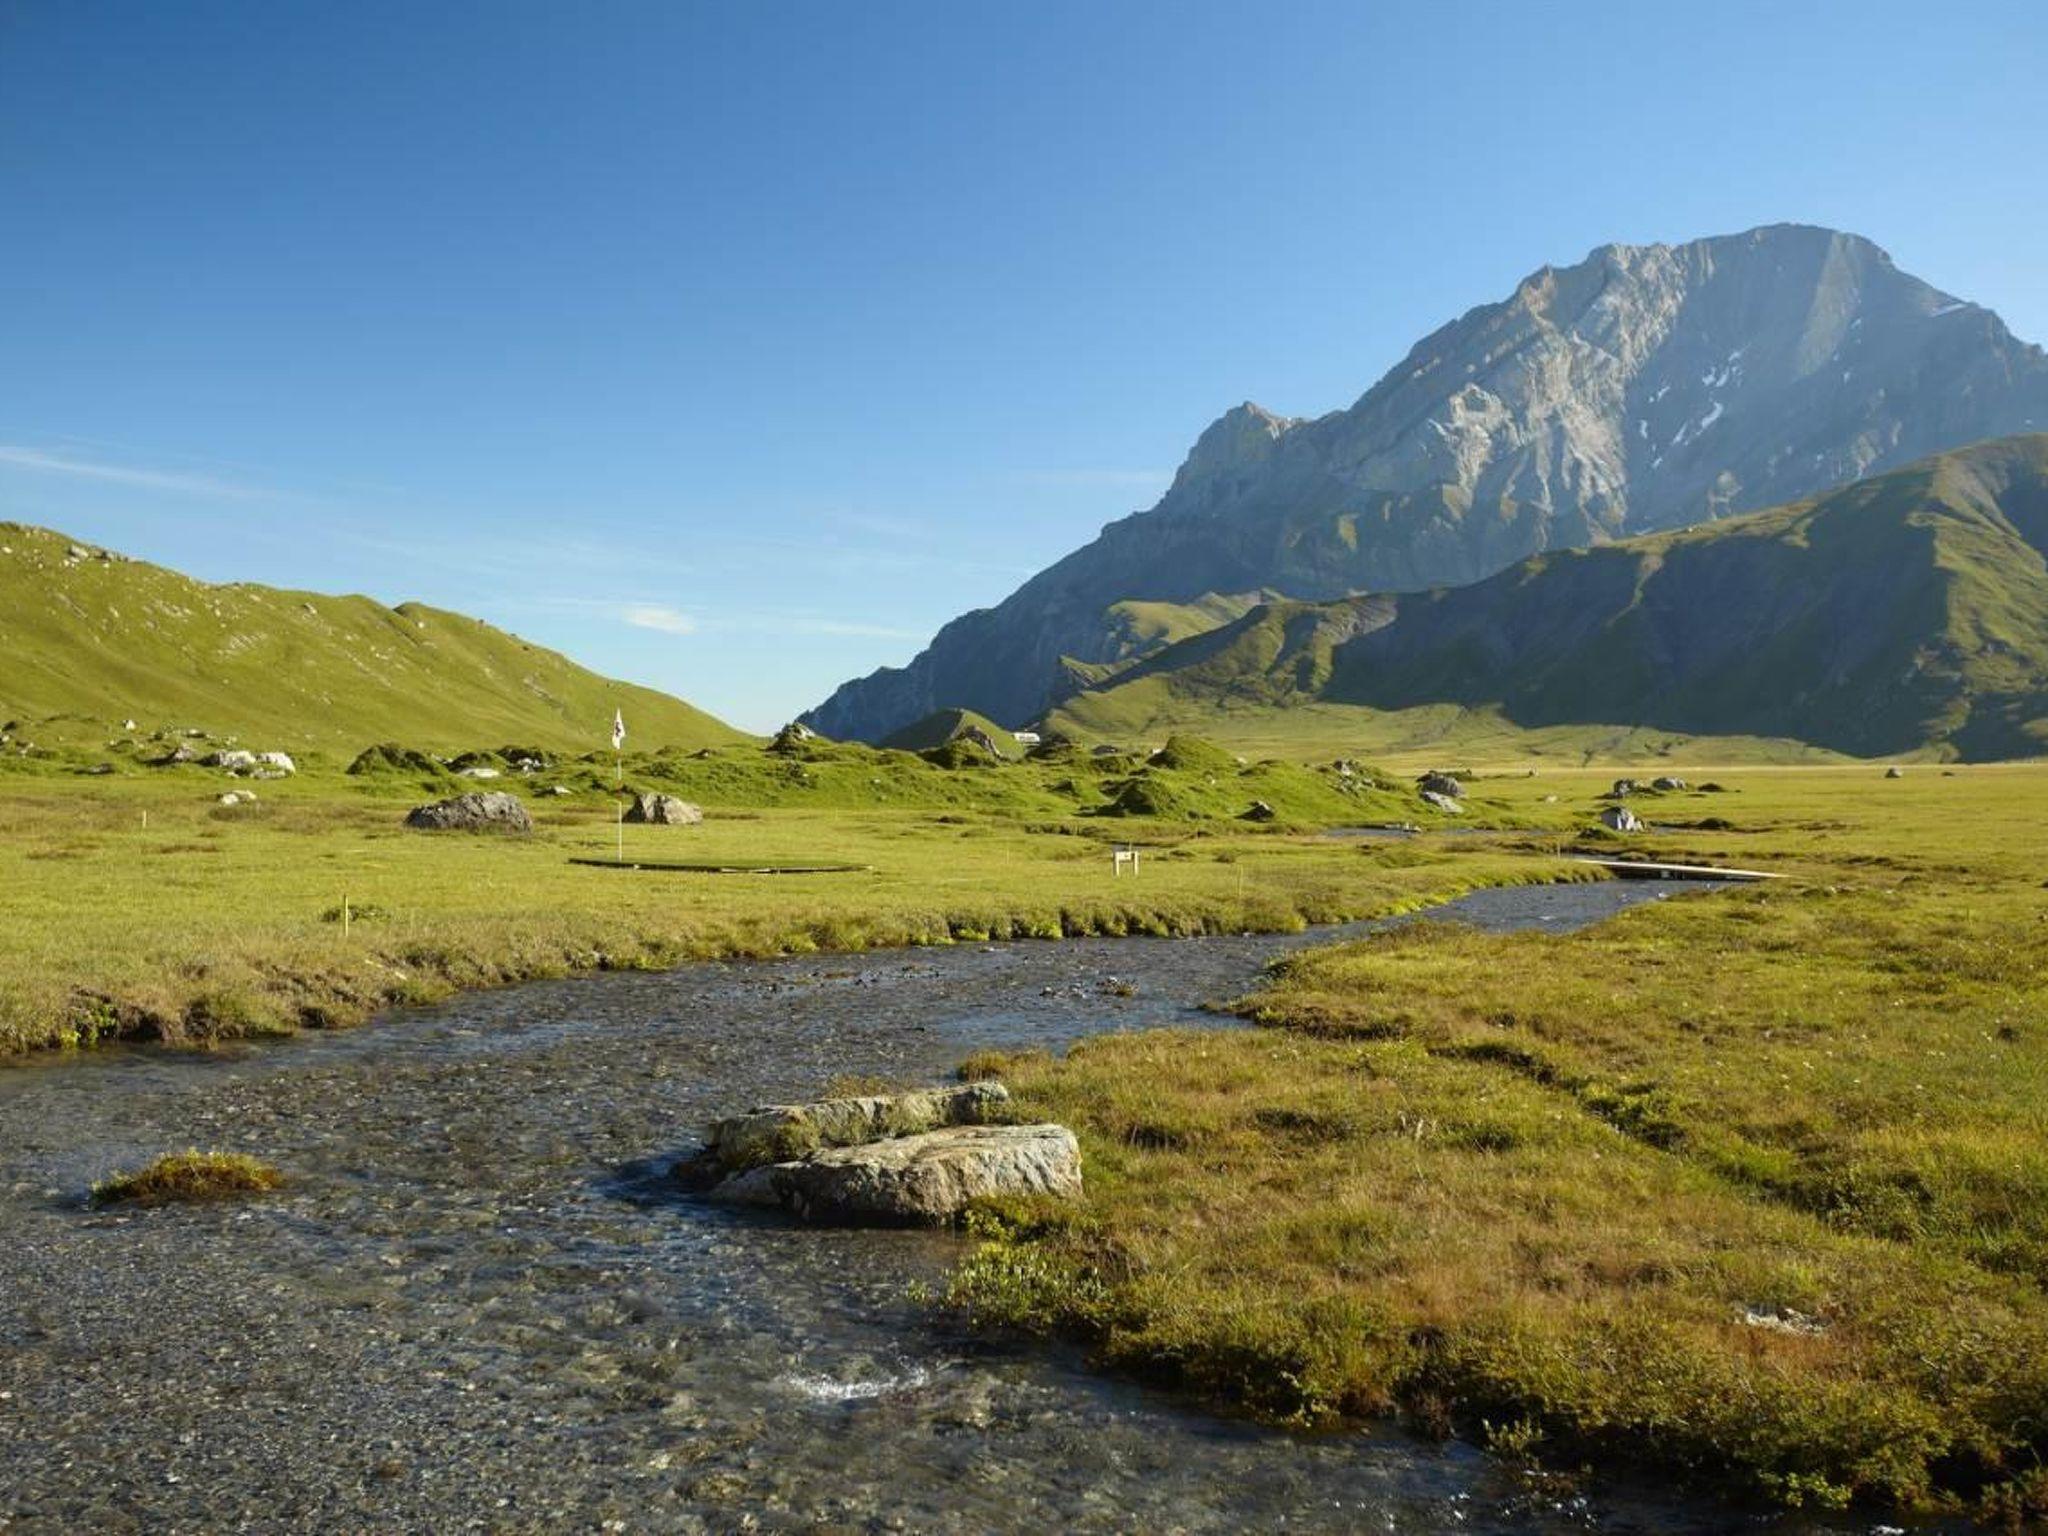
(618, 729)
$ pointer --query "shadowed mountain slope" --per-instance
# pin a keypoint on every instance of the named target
(1903, 612)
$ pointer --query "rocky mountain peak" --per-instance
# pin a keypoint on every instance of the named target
(1645, 387)
(1241, 437)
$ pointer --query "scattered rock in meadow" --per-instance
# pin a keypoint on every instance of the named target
(277, 762)
(234, 759)
(1623, 788)
(490, 811)
(1437, 782)
(1784, 1320)
(1667, 784)
(476, 772)
(1259, 811)
(663, 811)
(1437, 800)
(1895, 772)
(1619, 818)
(238, 797)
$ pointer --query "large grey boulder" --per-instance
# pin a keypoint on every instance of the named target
(1440, 783)
(663, 811)
(779, 1132)
(904, 1159)
(1436, 800)
(234, 760)
(1619, 818)
(492, 811)
(931, 1178)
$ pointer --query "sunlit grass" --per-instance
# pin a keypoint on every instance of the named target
(1747, 1185)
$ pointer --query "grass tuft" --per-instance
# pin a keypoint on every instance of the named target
(181, 1178)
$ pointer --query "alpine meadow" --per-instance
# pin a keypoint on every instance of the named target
(1479, 963)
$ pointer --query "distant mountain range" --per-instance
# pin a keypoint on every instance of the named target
(1905, 611)
(89, 638)
(1647, 388)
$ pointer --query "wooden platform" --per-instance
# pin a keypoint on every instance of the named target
(1641, 869)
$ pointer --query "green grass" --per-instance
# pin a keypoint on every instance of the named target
(91, 641)
(133, 904)
(1749, 1187)
(184, 1178)
(1149, 711)
(1746, 1186)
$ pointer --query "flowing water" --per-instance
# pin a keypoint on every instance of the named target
(480, 1305)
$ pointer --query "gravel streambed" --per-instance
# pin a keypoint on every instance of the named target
(480, 1305)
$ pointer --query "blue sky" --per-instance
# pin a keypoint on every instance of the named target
(734, 348)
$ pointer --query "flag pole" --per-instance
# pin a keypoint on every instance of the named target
(619, 775)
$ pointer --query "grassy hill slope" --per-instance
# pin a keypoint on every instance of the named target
(89, 639)
(1902, 613)
(946, 726)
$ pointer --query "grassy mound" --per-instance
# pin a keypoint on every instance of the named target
(187, 1177)
(946, 727)
(389, 759)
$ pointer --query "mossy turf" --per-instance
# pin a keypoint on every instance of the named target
(184, 1178)
(132, 903)
(1748, 1185)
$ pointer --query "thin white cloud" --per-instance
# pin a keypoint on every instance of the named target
(666, 620)
(660, 617)
(123, 474)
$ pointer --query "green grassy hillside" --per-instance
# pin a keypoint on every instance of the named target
(89, 639)
(1901, 614)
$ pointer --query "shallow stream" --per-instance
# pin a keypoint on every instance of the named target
(479, 1304)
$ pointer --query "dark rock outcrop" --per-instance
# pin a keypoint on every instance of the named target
(491, 811)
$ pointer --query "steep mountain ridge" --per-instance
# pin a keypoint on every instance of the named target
(1903, 612)
(1647, 387)
(90, 636)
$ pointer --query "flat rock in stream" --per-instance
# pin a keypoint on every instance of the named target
(776, 1133)
(923, 1180)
